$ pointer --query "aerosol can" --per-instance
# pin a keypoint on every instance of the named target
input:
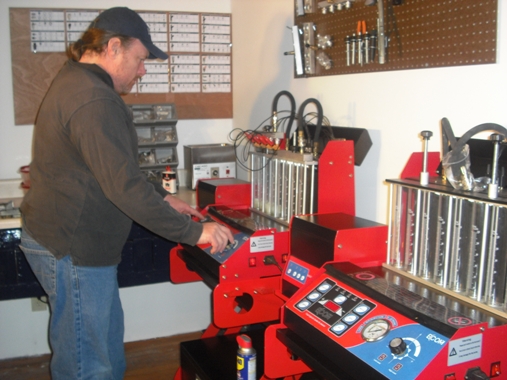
(246, 359)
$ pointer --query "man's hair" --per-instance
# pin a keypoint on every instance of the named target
(95, 40)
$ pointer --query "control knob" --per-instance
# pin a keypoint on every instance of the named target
(397, 346)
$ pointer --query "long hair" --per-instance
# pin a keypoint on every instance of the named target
(95, 40)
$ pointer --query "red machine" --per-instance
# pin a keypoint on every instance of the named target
(368, 321)
(432, 306)
(246, 276)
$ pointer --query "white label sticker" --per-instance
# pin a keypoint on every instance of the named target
(262, 243)
(465, 349)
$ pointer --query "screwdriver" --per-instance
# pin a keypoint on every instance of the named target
(347, 43)
(359, 44)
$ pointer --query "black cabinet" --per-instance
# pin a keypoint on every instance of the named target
(145, 260)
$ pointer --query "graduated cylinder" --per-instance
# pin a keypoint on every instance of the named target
(456, 242)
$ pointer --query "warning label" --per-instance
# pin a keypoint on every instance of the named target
(465, 349)
(262, 243)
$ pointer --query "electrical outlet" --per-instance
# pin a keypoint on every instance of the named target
(39, 304)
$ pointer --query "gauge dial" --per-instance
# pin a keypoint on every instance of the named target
(375, 330)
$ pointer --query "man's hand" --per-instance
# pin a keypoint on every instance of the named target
(182, 207)
(217, 235)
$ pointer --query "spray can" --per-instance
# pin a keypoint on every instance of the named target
(246, 359)
(169, 180)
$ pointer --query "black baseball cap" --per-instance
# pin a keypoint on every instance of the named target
(127, 22)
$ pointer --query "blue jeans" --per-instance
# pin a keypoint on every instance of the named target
(86, 317)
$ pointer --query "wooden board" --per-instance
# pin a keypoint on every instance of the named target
(32, 74)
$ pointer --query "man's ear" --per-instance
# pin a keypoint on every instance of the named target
(114, 46)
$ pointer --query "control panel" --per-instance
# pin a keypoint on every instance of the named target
(391, 343)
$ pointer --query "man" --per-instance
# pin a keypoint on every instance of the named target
(86, 188)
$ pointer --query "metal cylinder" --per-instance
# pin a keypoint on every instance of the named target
(443, 245)
(461, 256)
(496, 267)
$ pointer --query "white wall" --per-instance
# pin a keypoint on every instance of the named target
(394, 106)
(150, 311)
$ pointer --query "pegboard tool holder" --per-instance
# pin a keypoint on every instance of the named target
(418, 34)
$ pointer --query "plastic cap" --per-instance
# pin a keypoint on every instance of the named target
(244, 341)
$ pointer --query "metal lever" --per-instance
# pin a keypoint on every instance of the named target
(424, 174)
(493, 186)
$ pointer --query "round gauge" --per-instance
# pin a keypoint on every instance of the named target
(375, 330)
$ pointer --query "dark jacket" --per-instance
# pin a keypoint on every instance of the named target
(86, 185)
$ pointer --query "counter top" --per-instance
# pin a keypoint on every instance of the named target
(183, 193)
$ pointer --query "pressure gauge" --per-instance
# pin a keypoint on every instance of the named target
(375, 330)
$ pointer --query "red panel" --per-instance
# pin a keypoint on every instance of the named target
(414, 165)
(266, 305)
(336, 178)
(277, 360)
(238, 194)
(178, 270)
(493, 340)
(234, 195)
(364, 252)
(238, 265)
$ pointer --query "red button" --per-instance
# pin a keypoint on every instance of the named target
(252, 262)
(452, 376)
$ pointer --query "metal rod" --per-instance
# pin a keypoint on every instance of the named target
(305, 188)
(284, 190)
(381, 34)
(483, 255)
(264, 185)
(392, 223)
(415, 255)
(312, 191)
(448, 242)
(290, 192)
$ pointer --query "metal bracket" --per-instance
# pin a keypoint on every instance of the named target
(309, 47)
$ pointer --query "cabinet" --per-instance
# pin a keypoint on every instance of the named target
(157, 138)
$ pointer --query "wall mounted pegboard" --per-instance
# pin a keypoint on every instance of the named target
(419, 34)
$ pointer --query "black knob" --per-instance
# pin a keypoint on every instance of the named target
(397, 346)
(476, 374)
(426, 134)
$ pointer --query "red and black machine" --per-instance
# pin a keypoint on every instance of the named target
(429, 306)
(245, 277)
(424, 298)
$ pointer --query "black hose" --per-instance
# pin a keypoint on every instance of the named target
(320, 116)
(274, 108)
